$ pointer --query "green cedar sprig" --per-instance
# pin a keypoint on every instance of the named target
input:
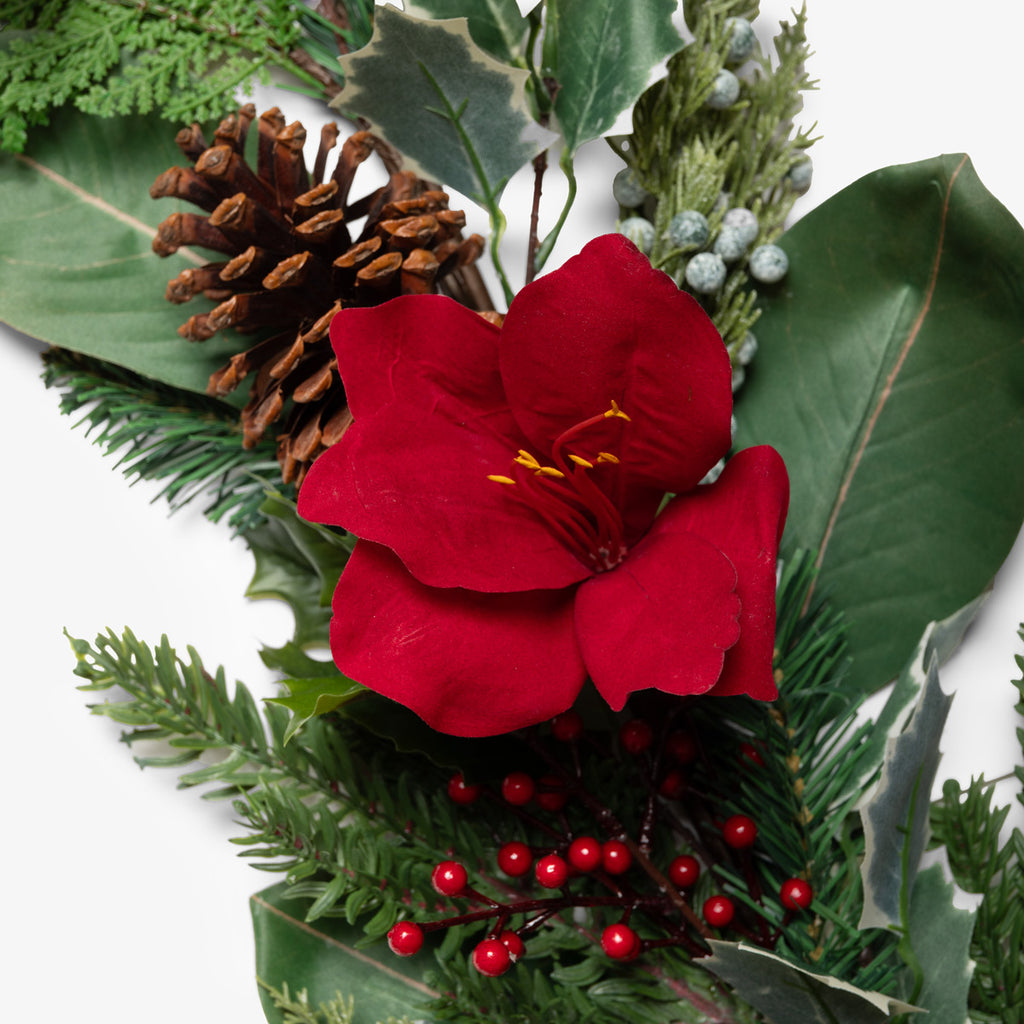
(184, 59)
(158, 432)
(688, 155)
(297, 1009)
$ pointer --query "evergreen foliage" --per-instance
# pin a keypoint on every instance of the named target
(162, 433)
(689, 155)
(184, 59)
(297, 1009)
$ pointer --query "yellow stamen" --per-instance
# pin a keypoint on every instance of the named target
(549, 471)
(524, 458)
(615, 412)
(580, 461)
(607, 457)
(502, 479)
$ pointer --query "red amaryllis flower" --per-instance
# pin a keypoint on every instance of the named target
(505, 486)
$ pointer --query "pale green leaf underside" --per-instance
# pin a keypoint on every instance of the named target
(76, 267)
(892, 383)
(495, 25)
(787, 994)
(457, 115)
(601, 53)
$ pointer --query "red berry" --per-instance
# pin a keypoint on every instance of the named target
(513, 944)
(515, 859)
(551, 871)
(636, 736)
(551, 796)
(449, 878)
(492, 958)
(615, 857)
(739, 832)
(748, 752)
(567, 727)
(673, 785)
(584, 853)
(405, 938)
(681, 747)
(796, 894)
(517, 788)
(718, 911)
(684, 871)
(462, 792)
(620, 942)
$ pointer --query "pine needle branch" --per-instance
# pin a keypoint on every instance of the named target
(157, 432)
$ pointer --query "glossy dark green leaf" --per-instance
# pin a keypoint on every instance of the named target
(322, 959)
(309, 698)
(601, 53)
(495, 25)
(786, 994)
(457, 115)
(891, 379)
(76, 223)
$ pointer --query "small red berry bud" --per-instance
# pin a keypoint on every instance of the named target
(551, 796)
(513, 944)
(739, 832)
(748, 752)
(405, 938)
(551, 871)
(673, 784)
(681, 747)
(515, 859)
(615, 857)
(796, 894)
(636, 736)
(584, 853)
(460, 791)
(491, 957)
(620, 942)
(517, 788)
(718, 911)
(567, 727)
(684, 871)
(449, 878)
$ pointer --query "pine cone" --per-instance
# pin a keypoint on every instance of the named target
(291, 262)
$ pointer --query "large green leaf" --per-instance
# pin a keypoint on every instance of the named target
(892, 382)
(457, 115)
(322, 958)
(495, 25)
(601, 53)
(76, 223)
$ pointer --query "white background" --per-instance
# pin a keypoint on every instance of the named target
(124, 900)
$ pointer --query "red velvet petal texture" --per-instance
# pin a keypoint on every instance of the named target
(468, 664)
(663, 618)
(607, 326)
(419, 485)
(743, 514)
(418, 349)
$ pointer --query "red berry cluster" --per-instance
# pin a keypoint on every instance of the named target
(574, 870)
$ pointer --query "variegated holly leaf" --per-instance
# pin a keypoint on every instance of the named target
(495, 25)
(456, 114)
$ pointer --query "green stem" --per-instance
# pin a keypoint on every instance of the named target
(565, 163)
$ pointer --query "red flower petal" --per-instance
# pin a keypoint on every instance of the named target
(419, 484)
(743, 514)
(663, 618)
(468, 664)
(607, 326)
(417, 350)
